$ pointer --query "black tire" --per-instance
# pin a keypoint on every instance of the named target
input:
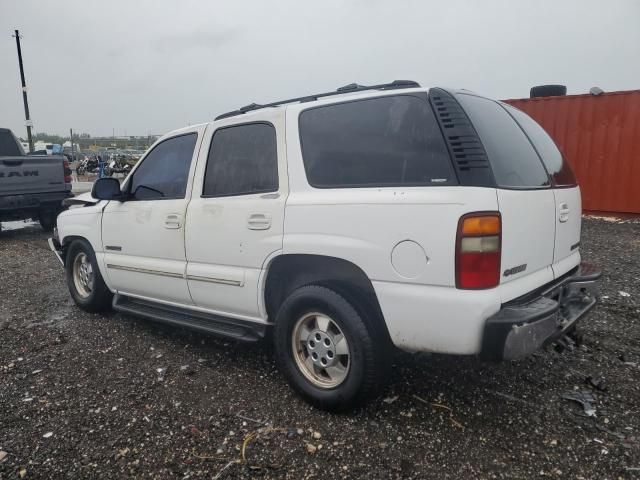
(369, 356)
(48, 219)
(548, 91)
(99, 299)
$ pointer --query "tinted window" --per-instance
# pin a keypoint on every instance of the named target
(242, 160)
(164, 172)
(558, 168)
(388, 141)
(8, 145)
(513, 160)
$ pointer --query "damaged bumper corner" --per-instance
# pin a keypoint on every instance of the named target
(524, 325)
(55, 247)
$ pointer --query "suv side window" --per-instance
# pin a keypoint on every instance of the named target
(558, 168)
(242, 160)
(378, 142)
(514, 161)
(164, 172)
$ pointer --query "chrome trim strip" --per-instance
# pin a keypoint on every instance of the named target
(144, 270)
(235, 283)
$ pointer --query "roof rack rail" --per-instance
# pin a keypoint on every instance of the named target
(352, 87)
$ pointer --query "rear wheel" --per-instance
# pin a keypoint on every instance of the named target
(327, 352)
(84, 280)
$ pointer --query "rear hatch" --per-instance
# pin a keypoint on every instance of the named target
(537, 196)
(31, 174)
(566, 193)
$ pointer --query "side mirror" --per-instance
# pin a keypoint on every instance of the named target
(106, 189)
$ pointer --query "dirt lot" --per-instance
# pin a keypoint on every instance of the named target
(81, 395)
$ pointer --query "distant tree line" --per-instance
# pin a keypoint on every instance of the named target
(86, 141)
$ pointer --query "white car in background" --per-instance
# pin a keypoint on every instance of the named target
(348, 223)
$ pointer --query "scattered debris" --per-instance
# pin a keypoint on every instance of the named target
(241, 414)
(510, 397)
(311, 449)
(596, 382)
(232, 462)
(122, 453)
(22, 472)
(161, 373)
(586, 399)
(454, 422)
(390, 400)
(3, 455)
(316, 435)
(47, 435)
(624, 294)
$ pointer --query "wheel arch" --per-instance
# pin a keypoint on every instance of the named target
(288, 272)
(68, 240)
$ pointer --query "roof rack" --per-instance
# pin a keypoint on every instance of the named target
(352, 87)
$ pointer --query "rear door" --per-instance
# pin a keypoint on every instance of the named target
(235, 219)
(568, 202)
(525, 198)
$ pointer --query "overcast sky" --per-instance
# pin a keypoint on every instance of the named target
(152, 66)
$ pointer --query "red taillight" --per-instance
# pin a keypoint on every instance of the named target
(67, 171)
(478, 246)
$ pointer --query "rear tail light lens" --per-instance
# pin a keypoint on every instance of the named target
(67, 171)
(478, 253)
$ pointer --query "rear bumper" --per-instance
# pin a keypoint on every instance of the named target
(31, 201)
(524, 325)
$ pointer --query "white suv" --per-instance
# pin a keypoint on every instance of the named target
(346, 222)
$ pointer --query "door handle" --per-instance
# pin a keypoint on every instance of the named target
(259, 221)
(563, 213)
(172, 221)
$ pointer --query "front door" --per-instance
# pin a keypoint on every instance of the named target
(235, 219)
(143, 237)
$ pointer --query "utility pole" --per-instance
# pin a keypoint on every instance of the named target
(28, 122)
(73, 157)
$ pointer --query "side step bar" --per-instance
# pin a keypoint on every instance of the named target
(181, 317)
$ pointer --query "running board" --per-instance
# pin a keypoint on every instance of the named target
(182, 317)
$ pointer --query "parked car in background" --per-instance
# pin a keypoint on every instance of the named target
(31, 186)
(393, 216)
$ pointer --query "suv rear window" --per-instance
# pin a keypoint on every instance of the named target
(558, 168)
(514, 161)
(378, 142)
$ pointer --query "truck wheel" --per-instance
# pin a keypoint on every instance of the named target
(329, 355)
(84, 280)
(47, 219)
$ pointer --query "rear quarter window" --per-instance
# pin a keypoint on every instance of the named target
(375, 142)
(513, 159)
(557, 167)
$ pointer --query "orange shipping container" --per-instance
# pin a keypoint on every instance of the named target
(600, 138)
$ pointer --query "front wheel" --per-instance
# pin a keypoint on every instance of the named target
(84, 280)
(327, 352)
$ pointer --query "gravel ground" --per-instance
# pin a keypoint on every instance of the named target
(81, 395)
